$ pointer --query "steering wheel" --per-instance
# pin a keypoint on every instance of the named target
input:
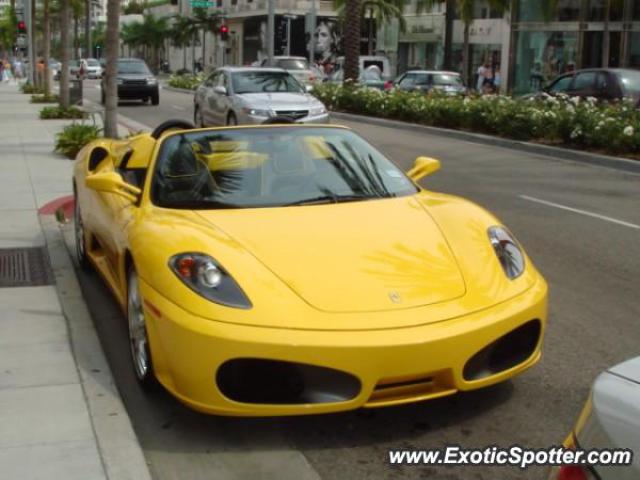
(174, 123)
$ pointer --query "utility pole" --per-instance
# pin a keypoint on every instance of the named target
(271, 27)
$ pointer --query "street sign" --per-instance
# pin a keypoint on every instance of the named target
(201, 3)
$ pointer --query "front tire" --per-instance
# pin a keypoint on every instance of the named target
(155, 99)
(80, 236)
(138, 340)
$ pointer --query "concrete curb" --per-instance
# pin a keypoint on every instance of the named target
(179, 90)
(616, 163)
(118, 446)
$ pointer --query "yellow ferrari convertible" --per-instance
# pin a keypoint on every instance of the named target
(293, 269)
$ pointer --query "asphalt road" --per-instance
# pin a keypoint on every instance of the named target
(581, 226)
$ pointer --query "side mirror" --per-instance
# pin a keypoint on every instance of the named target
(220, 90)
(308, 88)
(112, 182)
(422, 167)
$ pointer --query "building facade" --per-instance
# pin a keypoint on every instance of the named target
(576, 35)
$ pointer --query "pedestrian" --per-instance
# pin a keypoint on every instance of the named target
(17, 68)
(497, 80)
(484, 74)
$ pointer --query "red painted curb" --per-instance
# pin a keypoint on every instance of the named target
(65, 203)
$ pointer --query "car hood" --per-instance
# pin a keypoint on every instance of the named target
(375, 255)
(277, 100)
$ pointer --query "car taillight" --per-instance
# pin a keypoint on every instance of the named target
(388, 85)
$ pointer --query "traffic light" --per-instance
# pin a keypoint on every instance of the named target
(224, 33)
(22, 27)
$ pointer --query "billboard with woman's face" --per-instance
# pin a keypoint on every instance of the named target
(327, 40)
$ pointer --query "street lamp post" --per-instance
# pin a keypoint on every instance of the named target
(289, 18)
(271, 25)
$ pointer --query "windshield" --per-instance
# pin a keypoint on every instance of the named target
(133, 67)
(93, 63)
(630, 81)
(293, 64)
(446, 79)
(272, 167)
(260, 82)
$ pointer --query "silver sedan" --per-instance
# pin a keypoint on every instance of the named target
(245, 95)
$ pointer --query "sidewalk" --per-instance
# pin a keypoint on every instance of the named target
(60, 413)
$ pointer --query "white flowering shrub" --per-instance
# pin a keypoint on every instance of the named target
(612, 128)
(187, 81)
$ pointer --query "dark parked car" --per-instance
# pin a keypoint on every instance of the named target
(135, 81)
(427, 80)
(604, 84)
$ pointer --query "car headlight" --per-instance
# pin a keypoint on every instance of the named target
(318, 110)
(257, 112)
(119, 81)
(507, 250)
(151, 81)
(208, 278)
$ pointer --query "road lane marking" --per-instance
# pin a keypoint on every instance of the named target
(582, 212)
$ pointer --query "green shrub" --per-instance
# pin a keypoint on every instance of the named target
(45, 99)
(187, 81)
(584, 124)
(30, 88)
(71, 140)
(57, 112)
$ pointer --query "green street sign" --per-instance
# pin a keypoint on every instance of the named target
(201, 3)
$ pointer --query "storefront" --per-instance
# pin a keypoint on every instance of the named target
(421, 45)
(572, 37)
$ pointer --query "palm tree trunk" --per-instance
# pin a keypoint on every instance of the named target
(606, 43)
(370, 21)
(76, 34)
(111, 88)
(184, 56)
(46, 44)
(465, 55)
(193, 53)
(448, 35)
(204, 52)
(87, 30)
(64, 46)
(34, 46)
(352, 40)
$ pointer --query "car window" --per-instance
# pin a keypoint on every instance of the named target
(212, 79)
(133, 67)
(293, 64)
(93, 63)
(446, 79)
(602, 82)
(584, 81)
(262, 82)
(408, 80)
(267, 167)
(630, 81)
(561, 84)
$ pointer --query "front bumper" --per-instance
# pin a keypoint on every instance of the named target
(392, 366)
(246, 119)
(137, 91)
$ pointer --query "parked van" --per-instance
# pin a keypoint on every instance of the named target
(367, 60)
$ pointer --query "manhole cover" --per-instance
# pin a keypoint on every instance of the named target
(24, 267)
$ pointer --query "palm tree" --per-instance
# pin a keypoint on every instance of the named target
(150, 35)
(77, 7)
(382, 11)
(351, 29)
(46, 47)
(64, 57)
(206, 22)
(111, 89)
(181, 35)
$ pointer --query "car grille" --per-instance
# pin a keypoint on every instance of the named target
(293, 114)
(135, 82)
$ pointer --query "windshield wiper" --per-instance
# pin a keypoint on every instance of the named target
(328, 199)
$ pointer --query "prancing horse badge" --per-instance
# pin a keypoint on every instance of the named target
(395, 297)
